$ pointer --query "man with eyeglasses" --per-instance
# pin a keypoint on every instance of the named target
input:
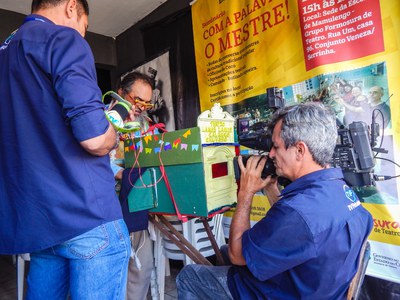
(367, 108)
(136, 88)
(378, 106)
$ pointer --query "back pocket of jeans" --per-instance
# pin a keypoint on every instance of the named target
(89, 244)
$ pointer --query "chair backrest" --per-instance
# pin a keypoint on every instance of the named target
(357, 281)
(195, 233)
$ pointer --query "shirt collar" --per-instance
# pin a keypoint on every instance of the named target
(39, 18)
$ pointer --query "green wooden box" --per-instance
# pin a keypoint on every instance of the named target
(201, 176)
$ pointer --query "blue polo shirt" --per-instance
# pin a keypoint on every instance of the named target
(51, 189)
(307, 245)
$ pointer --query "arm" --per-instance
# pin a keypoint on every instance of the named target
(250, 183)
(71, 65)
(102, 144)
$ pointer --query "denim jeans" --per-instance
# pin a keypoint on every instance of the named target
(203, 282)
(93, 265)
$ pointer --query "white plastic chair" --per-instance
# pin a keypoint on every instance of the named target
(195, 233)
(20, 266)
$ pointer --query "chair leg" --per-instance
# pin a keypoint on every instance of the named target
(20, 277)
(355, 284)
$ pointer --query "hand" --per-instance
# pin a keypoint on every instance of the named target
(250, 178)
(118, 112)
(118, 176)
(131, 116)
(250, 183)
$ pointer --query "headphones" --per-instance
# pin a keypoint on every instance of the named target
(117, 111)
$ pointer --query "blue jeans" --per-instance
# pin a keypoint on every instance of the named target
(203, 282)
(93, 265)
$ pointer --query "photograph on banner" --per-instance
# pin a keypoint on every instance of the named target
(163, 110)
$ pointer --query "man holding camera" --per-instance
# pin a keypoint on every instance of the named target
(315, 224)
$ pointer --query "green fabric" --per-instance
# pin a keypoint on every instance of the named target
(140, 197)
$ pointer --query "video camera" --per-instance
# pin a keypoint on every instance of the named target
(353, 154)
(258, 136)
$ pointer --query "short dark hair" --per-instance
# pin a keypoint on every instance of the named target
(129, 79)
(83, 5)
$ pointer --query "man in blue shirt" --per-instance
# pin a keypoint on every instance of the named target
(308, 244)
(136, 88)
(57, 198)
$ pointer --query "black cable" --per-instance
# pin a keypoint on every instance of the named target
(386, 177)
(389, 160)
(383, 128)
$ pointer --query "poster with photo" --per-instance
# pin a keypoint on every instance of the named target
(158, 70)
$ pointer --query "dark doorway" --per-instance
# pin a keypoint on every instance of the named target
(103, 79)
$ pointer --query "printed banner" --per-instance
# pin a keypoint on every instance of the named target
(385, 242)
(233, 61)
(343, 53)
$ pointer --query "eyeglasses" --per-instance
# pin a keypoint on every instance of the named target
(138, 101)
(145, 104)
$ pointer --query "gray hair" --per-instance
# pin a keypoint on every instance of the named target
(312, 123)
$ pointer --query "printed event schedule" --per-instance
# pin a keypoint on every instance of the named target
(339, 30)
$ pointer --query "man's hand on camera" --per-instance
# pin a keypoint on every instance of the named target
(250, 178)
(251, 181)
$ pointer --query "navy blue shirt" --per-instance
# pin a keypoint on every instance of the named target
(307, 245)
(51, 189)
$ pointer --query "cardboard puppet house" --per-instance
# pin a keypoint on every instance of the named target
(198, 164)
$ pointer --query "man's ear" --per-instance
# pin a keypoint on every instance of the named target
(71, 6)
(301, 149)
